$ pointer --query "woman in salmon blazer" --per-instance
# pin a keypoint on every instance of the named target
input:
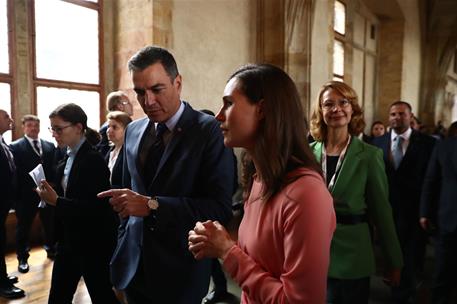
(355, 176)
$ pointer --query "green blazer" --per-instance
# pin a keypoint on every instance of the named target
(361, 187)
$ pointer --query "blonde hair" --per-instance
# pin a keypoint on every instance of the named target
(318, 128)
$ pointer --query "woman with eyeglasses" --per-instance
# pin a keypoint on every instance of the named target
(87, 224)
(355, 176)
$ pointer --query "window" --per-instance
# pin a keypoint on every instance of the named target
(338, 60)
(4, 60)
(339, 21)
(67, 58)
(339, 28)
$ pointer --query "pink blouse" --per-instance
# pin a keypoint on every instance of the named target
(283, 248)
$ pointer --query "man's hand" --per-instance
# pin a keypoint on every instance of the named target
(47, 193)
(127, 202)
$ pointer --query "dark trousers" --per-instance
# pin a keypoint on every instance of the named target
(137, 291)
(68, 269)
(168, 288)
(4, 209)
(25, 215)
(345, 291)
(413, 248)
(444, 278)
(219, 280)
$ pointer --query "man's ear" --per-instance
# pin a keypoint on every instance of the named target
(178, 83)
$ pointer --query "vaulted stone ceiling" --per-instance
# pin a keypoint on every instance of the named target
(439, 18)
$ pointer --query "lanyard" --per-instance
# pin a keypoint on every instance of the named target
(338, 164)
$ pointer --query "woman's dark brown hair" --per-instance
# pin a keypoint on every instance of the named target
(281, 144)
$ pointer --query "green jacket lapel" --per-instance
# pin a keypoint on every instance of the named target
(348, 169)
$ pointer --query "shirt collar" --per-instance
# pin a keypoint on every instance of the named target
(31, 139)
(405, 135)
(172, 121)
(73, 151)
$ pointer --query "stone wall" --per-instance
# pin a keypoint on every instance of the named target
(390, 65)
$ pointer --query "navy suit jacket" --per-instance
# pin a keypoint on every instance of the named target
(405, 183)
(193, 182)
(26, 159)
(439, 195)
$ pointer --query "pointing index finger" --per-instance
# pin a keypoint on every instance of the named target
(109, 193)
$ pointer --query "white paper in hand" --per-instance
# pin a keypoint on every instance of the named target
(37, 175)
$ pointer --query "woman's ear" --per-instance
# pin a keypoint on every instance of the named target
(260, 111)
(79, 126)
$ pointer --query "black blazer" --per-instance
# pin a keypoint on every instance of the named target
(405, 183)
(116, 175)
(26, 159)
(7, 182)
(87, 222)
(439, 195)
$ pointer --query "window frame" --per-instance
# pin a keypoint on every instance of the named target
(10, 77)
(71, 85)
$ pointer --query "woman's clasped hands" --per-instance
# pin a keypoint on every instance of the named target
(209, 240)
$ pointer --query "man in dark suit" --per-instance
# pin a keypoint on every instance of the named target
(29, 151)
(7, 186)
(180, 173)
(115, 101)
(406, 155)
(439, 209)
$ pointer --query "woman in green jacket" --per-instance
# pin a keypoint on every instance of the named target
(355, 176)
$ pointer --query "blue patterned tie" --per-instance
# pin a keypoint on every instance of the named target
(397, 153)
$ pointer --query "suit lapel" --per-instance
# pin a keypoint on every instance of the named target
(138, 135)
(348, 168)
(185, 122)
(454, 154)
(29, 149)
(74, 172)
(413, 146)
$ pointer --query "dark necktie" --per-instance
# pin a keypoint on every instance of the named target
(9, 156)
(35, 146)
(154, 155)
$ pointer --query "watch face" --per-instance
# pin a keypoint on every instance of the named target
(153, 204)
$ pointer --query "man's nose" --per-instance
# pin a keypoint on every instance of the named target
(149, 98)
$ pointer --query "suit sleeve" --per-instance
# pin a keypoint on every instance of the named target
(380, 210)
(431, 186)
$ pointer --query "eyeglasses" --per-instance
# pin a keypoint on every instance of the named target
(329, 105)
(57, 130)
